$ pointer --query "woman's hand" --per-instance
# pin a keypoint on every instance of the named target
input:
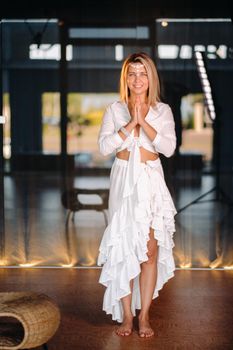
(134, 116)
(139, 111)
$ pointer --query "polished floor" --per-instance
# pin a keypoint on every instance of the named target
(194, 309)
(36, 233)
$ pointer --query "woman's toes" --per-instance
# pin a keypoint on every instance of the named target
(145, 330)
(142, 335)
(149, 333)
(125, 329)
(127, 333)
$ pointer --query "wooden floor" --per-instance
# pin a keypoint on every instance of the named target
(194, 309)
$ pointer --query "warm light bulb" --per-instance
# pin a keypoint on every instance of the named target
(185, 266)
(30, 264)
(164, 23)
(26, 265)
(67, 265)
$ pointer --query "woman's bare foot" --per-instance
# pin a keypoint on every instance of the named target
(126, 327)
(145, 330)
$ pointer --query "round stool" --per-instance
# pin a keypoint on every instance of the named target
(36, 319)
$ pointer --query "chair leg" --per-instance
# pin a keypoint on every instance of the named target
(68, 217)
(73, 215)
(105, 218)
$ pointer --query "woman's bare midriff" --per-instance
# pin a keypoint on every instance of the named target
(145, 155)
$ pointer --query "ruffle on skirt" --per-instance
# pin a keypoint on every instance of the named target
(124, 244)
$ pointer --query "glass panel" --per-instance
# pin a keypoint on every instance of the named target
(109, 33)
(36, 227)
(33, 213)
(2, 209)
(197, 127)
(94, 74)
(85, 111)
(7, 127)
(196, 173)
(51, 117)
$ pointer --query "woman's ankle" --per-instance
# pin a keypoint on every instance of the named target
(143, 316)
(128, 316)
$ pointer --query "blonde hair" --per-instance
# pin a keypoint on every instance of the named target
(153, 93)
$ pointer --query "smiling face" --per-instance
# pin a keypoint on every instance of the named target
(137, 79)
(139, 76)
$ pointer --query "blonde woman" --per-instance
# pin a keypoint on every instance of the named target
(136, 248)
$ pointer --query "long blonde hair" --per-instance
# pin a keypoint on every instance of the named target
(153, 93)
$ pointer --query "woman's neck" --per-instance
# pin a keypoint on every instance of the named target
(132, 99)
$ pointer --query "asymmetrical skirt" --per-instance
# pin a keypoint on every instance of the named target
(135, 205)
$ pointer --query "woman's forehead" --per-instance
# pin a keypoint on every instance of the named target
(137, 66)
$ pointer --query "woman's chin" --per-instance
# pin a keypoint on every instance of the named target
(138, 92)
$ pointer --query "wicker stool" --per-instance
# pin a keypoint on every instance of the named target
(36, 319)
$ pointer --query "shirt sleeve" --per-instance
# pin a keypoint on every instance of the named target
(165, 141)
(109, 139)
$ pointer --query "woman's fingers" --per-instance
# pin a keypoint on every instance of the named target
(135, 113)
(138, 109)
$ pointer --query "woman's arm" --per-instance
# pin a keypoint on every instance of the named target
(165, 141)
(109, 139)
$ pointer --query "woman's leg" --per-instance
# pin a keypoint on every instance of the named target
(127, 324)
(148, 279)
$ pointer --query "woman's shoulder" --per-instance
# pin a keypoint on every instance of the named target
(116, 106)
(161, 109)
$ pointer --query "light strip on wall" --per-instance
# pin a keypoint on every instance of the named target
(205, 84)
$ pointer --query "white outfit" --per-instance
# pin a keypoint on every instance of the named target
(139, 200)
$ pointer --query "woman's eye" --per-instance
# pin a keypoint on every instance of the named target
(142, 75)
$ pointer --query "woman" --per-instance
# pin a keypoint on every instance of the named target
(136, 248)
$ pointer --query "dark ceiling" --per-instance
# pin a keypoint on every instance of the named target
(112, 12)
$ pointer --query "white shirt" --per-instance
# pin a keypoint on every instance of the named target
(159, 117)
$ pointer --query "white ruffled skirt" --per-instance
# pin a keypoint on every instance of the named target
(133, 210)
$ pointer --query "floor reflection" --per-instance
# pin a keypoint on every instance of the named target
(36, 233)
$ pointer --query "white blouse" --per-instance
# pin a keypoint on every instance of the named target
(159, 117)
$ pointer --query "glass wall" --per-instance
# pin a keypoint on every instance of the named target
(31, 144)
(93, 83)
(203, 220)
(57, 80)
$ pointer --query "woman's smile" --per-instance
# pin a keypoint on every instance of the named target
(137, 78)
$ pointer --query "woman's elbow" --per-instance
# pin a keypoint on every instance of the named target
(170, 150)
(105, 151)
(169, 154)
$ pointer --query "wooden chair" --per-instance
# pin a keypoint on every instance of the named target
(72, 202)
